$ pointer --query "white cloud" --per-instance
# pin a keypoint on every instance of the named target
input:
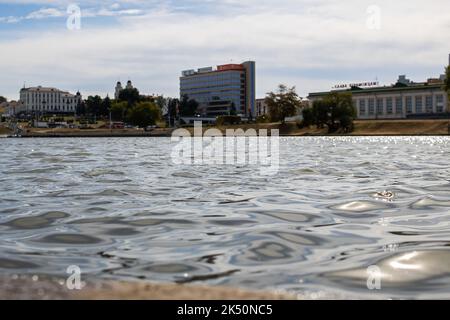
(311, 44)
(45, 13)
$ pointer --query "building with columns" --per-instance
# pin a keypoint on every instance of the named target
(405, 99)
(47, 100)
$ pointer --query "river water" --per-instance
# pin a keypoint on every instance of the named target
(120, 209)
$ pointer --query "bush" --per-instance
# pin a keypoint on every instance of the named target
(228, 120)
(262, 119)
(144, 114)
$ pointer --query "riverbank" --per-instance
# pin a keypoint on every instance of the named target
(36, 288)
(361, 128)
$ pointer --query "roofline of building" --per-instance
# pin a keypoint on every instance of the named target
(381, 89)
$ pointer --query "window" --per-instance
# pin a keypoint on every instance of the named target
(362, 106)
(419, 104)
(389, 106)
(429, 104)
(409, 105)
(399, 105)
(440, 103)
(371, 106)
(379, 106)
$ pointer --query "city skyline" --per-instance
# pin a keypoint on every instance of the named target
(150, 42)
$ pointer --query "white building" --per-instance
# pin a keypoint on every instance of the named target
(405, 99)
(261, 107)
(48, 100)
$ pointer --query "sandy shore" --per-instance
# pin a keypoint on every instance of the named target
(35, 288)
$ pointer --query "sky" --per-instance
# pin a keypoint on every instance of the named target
(310, 44)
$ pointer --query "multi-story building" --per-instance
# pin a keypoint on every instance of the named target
(405, 99)
(40, 100)
(227, 89)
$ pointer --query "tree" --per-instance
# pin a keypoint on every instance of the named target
(188, 107)
(131, 96)
(144, 114)
(283, 103)
(105, 107)
(81, 108)
(447, 84)
(336, 110)
(172, 110)
(93, 105)
(308, 117)
(118, 110)
(233, 111)
(2, 99)
(321, 112)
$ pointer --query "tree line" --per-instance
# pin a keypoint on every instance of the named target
(130, 107)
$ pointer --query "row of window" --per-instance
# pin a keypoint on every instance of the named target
(48, 97)
(395, 105)
(53, 108)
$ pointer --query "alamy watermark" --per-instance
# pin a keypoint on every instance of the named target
(236, 147)
(374, 278)
(74, 19)
(73, 281)
(373, 21)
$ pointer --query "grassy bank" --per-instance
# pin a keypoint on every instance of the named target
(362, 128)
(4, 131)
(95, 133)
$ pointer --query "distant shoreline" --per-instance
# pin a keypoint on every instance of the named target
(362, 128)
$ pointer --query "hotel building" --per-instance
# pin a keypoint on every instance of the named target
(48, 100)
(405, 99)
(221, 91)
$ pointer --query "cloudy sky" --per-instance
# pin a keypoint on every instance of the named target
(312, 44)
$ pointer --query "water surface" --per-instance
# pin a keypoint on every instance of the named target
(120, 209)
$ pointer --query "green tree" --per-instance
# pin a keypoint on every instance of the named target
(321, 112)
(81, 108)
(144, 114)
(93, 105)
(172, 110)
(308, 117)
(131, 96)
(105, 107)
(118, 110)
(2, 99)
(188, 107)
(336, 110)
(447, 85)
(233, 111)
(282, 103)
